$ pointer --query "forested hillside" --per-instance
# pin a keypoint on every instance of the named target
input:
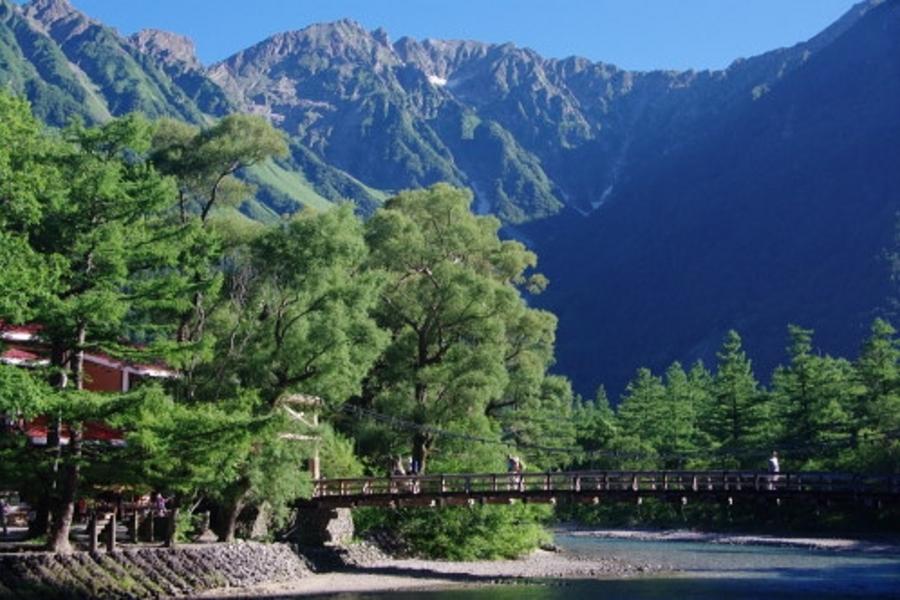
(783, 212)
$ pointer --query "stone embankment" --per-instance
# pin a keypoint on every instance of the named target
(148, 572)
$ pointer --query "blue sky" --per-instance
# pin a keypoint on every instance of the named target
(634, 34)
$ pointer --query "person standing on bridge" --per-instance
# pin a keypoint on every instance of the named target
(4, 508)
(774, 469)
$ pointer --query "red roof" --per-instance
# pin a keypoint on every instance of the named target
(17, 355)
(28, 333)
(37, 430)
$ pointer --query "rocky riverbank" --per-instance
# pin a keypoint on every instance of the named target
(187, 571)
(363, 568)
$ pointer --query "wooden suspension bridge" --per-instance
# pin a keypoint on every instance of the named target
(599, 486)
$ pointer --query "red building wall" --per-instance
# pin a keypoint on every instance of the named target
(99, 378)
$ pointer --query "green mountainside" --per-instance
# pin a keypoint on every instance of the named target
(367, 116)
(613, 176)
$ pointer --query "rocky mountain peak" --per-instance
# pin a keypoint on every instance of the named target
(172, 49)
(337, 42)
(48, 12)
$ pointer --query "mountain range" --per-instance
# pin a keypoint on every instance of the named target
(667, 207)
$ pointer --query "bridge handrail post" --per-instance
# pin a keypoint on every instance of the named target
(694, 486)
(576, 483)
(443, 483)
(665, 481)
(494, 482)
(635, 485)
(92, 531)
(111, 533)
(135, 525)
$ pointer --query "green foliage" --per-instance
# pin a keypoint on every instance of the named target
(461, 335)
(205, 161)
(737, 412)
(810, 399)
(461, 533)
(338, 455)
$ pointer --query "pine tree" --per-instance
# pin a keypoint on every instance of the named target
(812, 397)
(878, 368)
(643, 416)
(682, 400)
(734, 418)
(596, 431)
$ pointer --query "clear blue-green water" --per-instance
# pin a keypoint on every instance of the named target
(706, 572)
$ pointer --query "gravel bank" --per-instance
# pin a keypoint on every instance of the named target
(366, 570)
(683, 535)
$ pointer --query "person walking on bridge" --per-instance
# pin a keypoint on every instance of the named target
(774, 469)
(515, 466)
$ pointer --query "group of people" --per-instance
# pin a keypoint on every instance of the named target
(402, 468)
(515, 466)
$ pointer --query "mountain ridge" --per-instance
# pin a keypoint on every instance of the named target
(560, 149)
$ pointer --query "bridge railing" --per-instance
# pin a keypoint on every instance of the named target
(584, 482)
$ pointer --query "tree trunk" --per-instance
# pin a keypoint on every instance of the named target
(170, 540)
(77, 365)
(63, 508)
(231, 512)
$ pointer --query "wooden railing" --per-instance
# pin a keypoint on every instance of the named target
(608, 483)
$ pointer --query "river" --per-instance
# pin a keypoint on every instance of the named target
(705, 572)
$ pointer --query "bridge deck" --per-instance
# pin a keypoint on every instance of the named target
(594, 486)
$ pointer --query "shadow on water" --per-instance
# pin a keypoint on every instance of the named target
(870, 581)
(632, 589)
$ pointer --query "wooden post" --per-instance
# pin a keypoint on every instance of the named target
(443, 484)
(111, 535)
(135, 525)
(694, 483)
(634, 483)
(494, 483)
(92, 531)
(152, 519)
(666, 481)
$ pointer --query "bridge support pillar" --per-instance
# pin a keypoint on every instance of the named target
(321, 526)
